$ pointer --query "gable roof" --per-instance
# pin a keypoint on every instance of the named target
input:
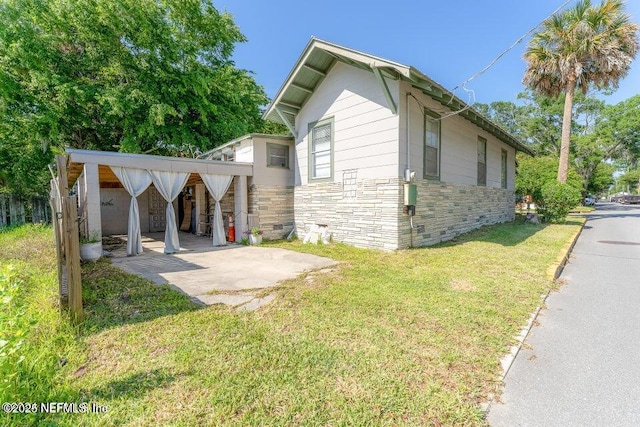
(319, 57)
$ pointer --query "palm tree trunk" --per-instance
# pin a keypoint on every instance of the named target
(563, 166)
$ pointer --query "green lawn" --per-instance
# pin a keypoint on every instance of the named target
(404, 338)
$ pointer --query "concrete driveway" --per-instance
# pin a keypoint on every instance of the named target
(235, 275)
(580, 365)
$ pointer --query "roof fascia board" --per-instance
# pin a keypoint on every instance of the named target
(161, 163)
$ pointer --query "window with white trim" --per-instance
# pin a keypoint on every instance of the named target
(431, 146)
(277, 155)
(321, 150)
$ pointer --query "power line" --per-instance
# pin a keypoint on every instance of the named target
(497, 58)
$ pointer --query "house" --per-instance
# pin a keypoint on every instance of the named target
(379, 154)
(365, 126)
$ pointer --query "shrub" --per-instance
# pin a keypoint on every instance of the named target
(556, 200)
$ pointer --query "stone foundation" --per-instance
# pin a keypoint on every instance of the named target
(444, 211)
(370, 214)
(364, 213)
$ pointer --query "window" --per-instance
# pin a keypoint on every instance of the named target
(482, 161)
(321, 150)
(503, 169)
(431, 146)
(277, 155)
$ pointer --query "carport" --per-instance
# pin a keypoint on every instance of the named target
(94, 171)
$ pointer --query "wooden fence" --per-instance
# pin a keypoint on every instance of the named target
(19, 210)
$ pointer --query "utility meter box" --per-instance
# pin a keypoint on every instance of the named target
(410, 194)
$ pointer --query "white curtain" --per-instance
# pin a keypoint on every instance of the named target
(135, 181)
(217, 186)
(169, 185)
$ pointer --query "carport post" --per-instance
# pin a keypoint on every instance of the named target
(241, 197)
(92, 200)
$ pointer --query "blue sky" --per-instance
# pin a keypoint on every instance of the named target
(447, 40)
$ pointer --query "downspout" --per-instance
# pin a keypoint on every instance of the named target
(407, 172)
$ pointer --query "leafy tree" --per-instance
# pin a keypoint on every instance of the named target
(620, 126)
(582, 46)
(535, 172)
(602, 178)
(631, 179)
(128, 75)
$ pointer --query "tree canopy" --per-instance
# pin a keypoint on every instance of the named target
(601, 134)
(152, 76)
(585, 45)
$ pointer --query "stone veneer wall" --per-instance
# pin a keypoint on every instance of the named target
(274, 205)
(363, 213)
(444, 211)
(371, 215)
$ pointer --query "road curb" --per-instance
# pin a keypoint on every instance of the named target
(553, 272)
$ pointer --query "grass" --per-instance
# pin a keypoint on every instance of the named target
(403, 338)
(38, 347)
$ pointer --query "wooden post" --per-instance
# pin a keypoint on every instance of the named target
(56, 224)
(63, 184)
(71, 243)
(72, 257)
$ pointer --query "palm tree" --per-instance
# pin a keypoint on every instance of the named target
(581, 46)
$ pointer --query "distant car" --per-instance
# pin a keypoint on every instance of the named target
(589, 201)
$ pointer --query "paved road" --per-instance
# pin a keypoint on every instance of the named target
(581, 365)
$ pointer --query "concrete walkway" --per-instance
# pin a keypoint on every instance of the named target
(234, 275)
(580, 366)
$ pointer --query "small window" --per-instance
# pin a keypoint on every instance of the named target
(278, 156)
(431, 146)
(482, 161)
(321, 150)
(503, 169)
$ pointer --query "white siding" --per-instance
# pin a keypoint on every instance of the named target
(458, 145)
(365, 129)
(265, 175)
(244, 153)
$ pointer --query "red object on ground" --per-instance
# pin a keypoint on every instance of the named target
(232, 229)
